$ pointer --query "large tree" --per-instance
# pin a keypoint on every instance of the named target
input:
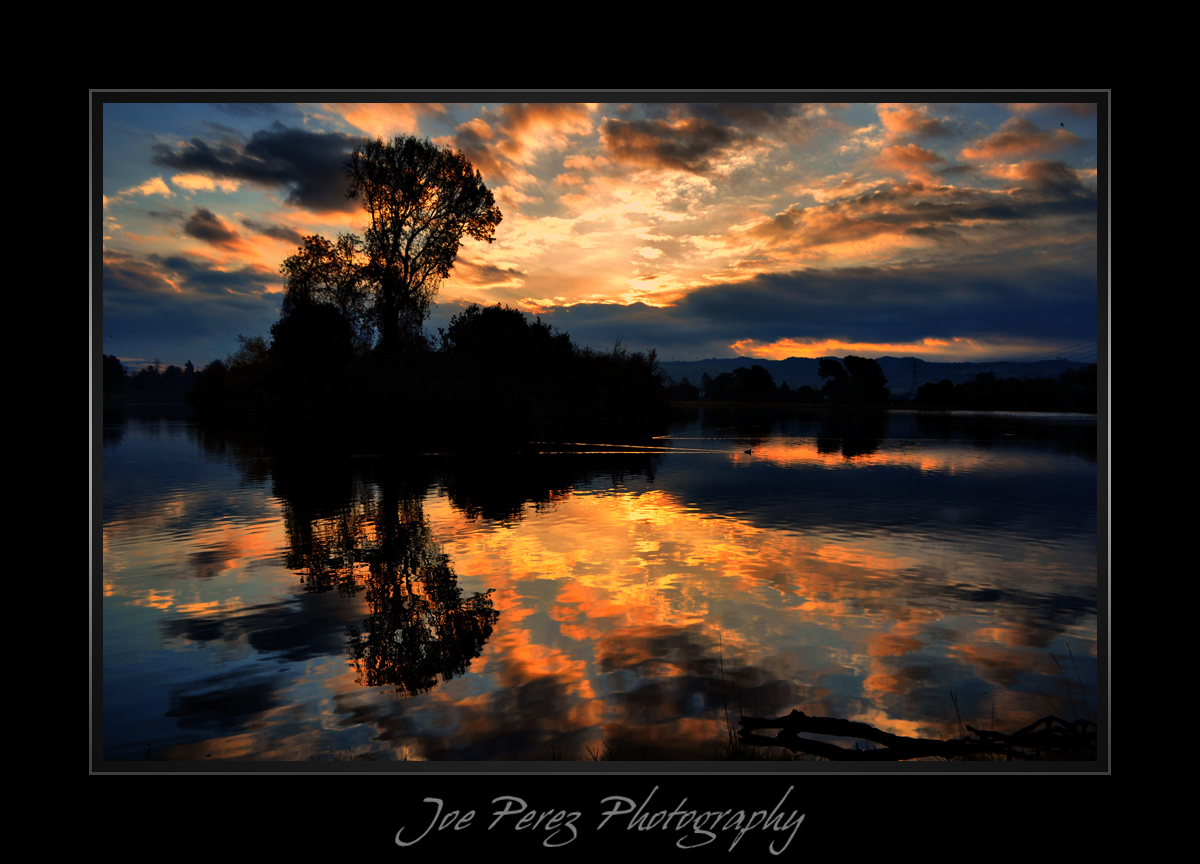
(421, 200)
(861, 381)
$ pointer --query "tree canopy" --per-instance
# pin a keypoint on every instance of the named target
(421, 200)
(329, 274)
(861, 381)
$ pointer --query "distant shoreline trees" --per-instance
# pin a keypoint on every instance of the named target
(1073, 390)
(172, 382)
(859, 382)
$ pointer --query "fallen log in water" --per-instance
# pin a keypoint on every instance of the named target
(1048, 738)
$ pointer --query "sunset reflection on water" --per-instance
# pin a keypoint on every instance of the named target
(563, 604)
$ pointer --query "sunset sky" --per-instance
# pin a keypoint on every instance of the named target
(946, 231)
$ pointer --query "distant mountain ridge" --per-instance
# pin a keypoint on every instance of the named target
(904, 374)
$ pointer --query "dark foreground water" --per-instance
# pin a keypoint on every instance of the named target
(595, 597)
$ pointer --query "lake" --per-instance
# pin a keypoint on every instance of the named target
(630, 598)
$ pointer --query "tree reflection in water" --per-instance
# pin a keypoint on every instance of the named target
(420, 627)
(355, 536)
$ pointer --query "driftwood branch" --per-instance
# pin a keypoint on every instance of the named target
(1050, 736)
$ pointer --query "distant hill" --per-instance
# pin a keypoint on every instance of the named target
(904, 374)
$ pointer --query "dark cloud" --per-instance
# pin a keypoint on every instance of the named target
(686, 144)
(478, 148)
(279, 232)
(486, 274)
(256, 109)
(1045, 189)
(854, 305)
(881, 305)
(207, 226)
(750, 115)
(199, 277)
(308, 164)
(170, 214)
(1056, 177)
(747, 115)
(942, 235)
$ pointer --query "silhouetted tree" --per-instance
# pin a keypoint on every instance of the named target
(211, 394)
(172, 379)
(421, 200)
(755, 384)
(147, 380)
(252, 351)
(940, 394)
(312, 338)
(837, 386)
(743, 385)
(861, 381)
(330, 274)
(1079, 389)
(870, 384)
(503, 336)
(684, 391)
(114, 375)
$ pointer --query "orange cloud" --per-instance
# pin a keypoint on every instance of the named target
(153, 186)
(530, 128)
(852, 231)
(950, 350)
(196, 182)
(916, 162)
(1019, 137)
(901, 120)
(386, 119)
(500, 143)
(1037, 173)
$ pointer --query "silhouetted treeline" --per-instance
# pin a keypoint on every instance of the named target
(152, 379)
(495, 374)
(1073, 390)
(859, 382)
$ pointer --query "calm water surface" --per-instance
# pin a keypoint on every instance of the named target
(531, 605)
